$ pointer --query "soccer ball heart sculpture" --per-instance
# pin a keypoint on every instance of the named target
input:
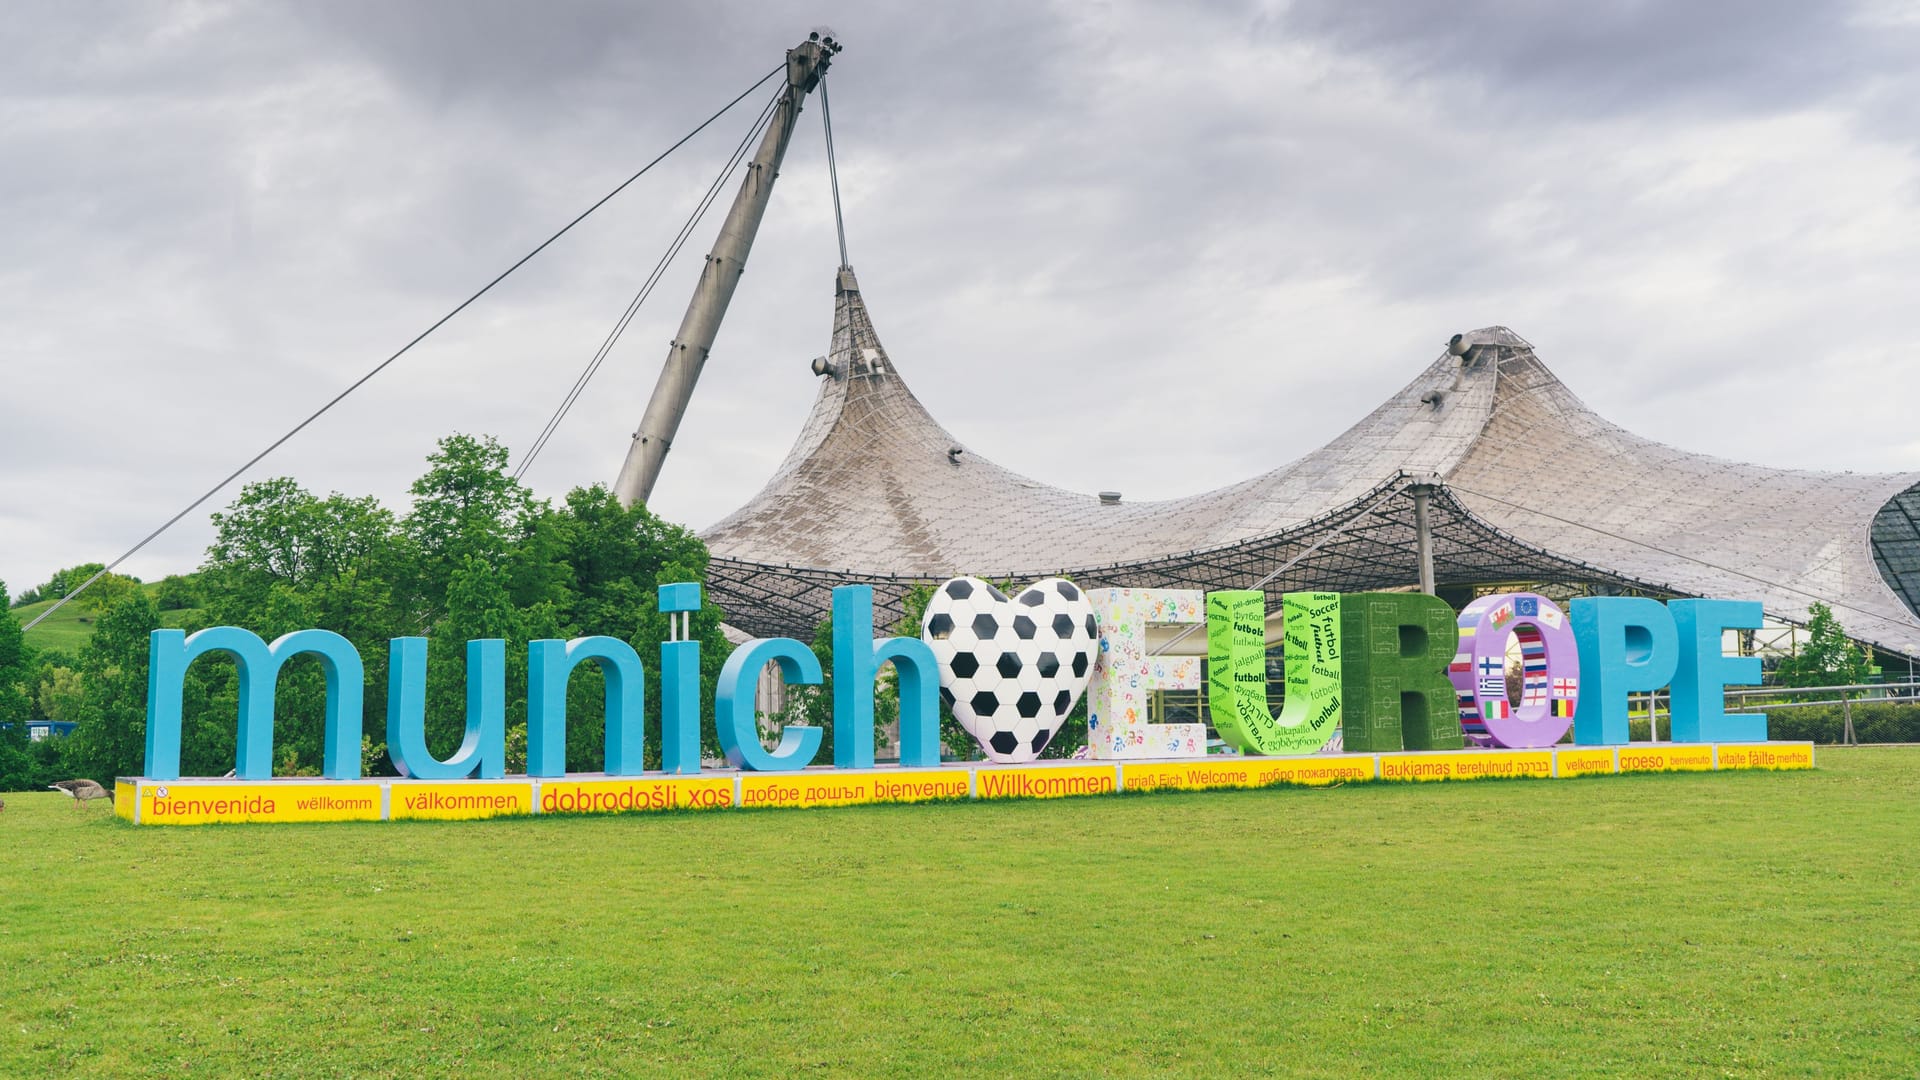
(1011, 669)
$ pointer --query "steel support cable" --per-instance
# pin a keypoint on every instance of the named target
(1666, 551)
(833, 170)
(402, 351)
(646, 289)
(679, 241)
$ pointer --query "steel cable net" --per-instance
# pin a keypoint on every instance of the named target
(1529, 486)
(1365, 547)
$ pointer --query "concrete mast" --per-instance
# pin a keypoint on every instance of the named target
(688, 352)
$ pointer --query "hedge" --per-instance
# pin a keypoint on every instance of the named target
(1873, 722)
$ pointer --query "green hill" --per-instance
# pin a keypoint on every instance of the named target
(72, 626)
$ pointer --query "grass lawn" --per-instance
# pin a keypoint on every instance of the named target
(1687, 925)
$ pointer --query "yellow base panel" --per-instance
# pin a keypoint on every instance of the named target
(459, 800)
(1466, 765)
(848, 787)
(1585, 762)
(1666, 758)
(1245, 772)
(1763, 756)
(627, 794)
(205, 801)
(1045, 782)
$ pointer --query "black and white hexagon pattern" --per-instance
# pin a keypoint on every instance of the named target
(1011, 669)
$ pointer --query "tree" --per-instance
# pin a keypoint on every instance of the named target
(16, 666)
(17, 768)
(177, 593)
(60, 584)
(104, 592)
(58, 693)
(476, 556)
(279, 535)
(615, 558)
(477, 607)
(284, 559)
(466, 505)
(111, 738)
(1827, 658)
(812, 706)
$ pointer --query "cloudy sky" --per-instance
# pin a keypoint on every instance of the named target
(1229, 230)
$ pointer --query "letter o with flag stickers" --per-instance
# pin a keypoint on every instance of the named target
(1550, 671)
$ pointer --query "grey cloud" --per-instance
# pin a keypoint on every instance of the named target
(215, 217)
(1611, 56)
(522, 62)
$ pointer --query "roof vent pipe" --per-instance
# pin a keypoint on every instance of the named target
(1109, 498)
(822, 366)
(953, 454)
(1459, 346)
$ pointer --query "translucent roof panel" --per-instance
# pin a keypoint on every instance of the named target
(1529, 484)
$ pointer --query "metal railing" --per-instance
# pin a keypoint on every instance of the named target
(1192, 705)
(1855, 692)
(1863, 692)
(1754, 699)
